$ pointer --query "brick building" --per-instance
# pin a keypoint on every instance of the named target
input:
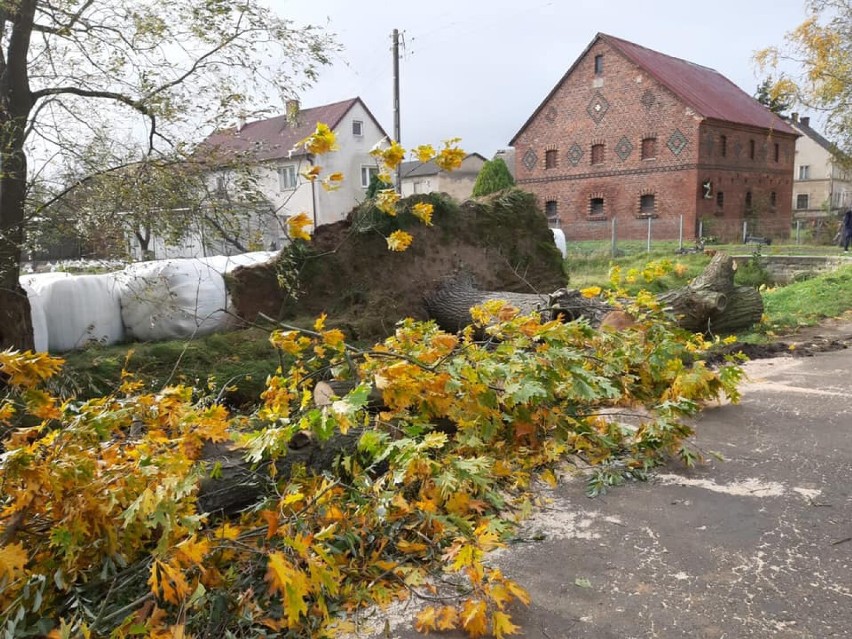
(631, 134)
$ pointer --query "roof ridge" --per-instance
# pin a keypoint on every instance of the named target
(618, 40)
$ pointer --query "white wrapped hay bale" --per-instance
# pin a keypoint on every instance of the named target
(175, 299)
(68, 311)
(35, 284)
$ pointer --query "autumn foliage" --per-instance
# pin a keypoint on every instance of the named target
(101, 533)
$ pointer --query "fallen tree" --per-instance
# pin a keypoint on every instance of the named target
(711, 303)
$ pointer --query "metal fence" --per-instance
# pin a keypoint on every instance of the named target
(635, 235)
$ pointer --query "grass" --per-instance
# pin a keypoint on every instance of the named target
(806, 303)
(240, 360)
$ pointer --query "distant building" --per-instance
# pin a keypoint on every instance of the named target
(822, 185)
(427, 177)
(268, 146)
(630, 134)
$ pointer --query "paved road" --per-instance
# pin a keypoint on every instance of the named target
(758, 545)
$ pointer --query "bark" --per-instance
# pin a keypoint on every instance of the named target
(710, 303)
(450, 304)
(238, 484)
(16, 102)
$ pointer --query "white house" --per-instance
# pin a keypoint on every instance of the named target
(822, 186)
(267, 147)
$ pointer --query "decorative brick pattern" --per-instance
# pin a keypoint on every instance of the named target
(575, 154)
(623, 148)
(550, 114)
(677, 142)
(648, 98)
(530, 160)
(597, 107)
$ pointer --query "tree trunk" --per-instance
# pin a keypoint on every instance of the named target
(710, 303)
(16, 102)
(238, 484)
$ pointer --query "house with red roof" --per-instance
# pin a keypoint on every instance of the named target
(268, 148)
(631, 135)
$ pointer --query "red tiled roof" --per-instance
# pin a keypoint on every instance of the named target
(705, 90)
(275, 137)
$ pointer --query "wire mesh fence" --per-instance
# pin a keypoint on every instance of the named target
(618, 237)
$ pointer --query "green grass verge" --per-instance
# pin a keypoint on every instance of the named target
(239, 359)
(806, 303)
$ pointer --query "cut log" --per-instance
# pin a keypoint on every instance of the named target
(710, 303)
(237, 484)
(450, 304)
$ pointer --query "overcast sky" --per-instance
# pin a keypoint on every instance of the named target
(477, 69)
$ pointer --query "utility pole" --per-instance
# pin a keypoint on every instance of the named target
(396, 128)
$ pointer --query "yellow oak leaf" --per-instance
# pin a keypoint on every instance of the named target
(13, 558)
(322, 140)
(448, 618)
(297, 226)
(502, 625)
(410, 547)
(399, 241)
(291, 583)
(423, 211)
(426, 619)
(473, 618)
(424, 152)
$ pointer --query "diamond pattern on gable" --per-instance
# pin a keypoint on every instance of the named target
(598, 106)
(575, 153)
(550, 114)
(530, 159)
(648, 98)
(623, 148)
(677, 142)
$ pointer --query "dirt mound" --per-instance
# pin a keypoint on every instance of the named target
(348, 272)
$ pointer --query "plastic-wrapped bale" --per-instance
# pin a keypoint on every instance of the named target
(35, 284)
(82, 309)
(175, 299)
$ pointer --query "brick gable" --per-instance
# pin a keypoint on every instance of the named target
(614, 111)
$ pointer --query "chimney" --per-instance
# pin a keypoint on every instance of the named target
(805, 121)
(292, 110)
(794, 117)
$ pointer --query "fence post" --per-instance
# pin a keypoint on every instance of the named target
(680, 235)
(745, 231)
(649, 235)
(798, 227)
(700, 229)
(614, 250)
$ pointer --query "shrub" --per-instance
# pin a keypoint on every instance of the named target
(494, 176)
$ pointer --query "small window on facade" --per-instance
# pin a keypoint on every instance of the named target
(551, 210)
(649, 148)
(723, 145)
(596, 206)
(550, 159)
(599, 65)
(777, 151)
(751, 149)
(597, 153)
(287, 177)
(748, 199)
(647, 204)
(805, 172)
(802, 201)
(772, 199)
(367, 173)
(357, 127)
(720, 199)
